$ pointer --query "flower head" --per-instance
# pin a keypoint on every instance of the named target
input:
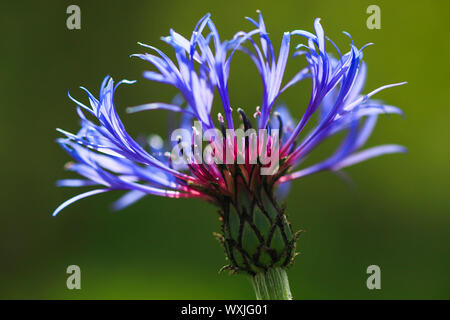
(242, 163)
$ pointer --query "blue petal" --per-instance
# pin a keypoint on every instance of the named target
(128, 199)
(78, 197)
(367, 154)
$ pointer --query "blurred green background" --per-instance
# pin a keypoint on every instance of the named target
(397, 217)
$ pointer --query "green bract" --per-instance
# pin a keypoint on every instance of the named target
(256, 234)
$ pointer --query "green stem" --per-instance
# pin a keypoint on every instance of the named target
(272, 285)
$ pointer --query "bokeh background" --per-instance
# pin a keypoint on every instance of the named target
(396, 216)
